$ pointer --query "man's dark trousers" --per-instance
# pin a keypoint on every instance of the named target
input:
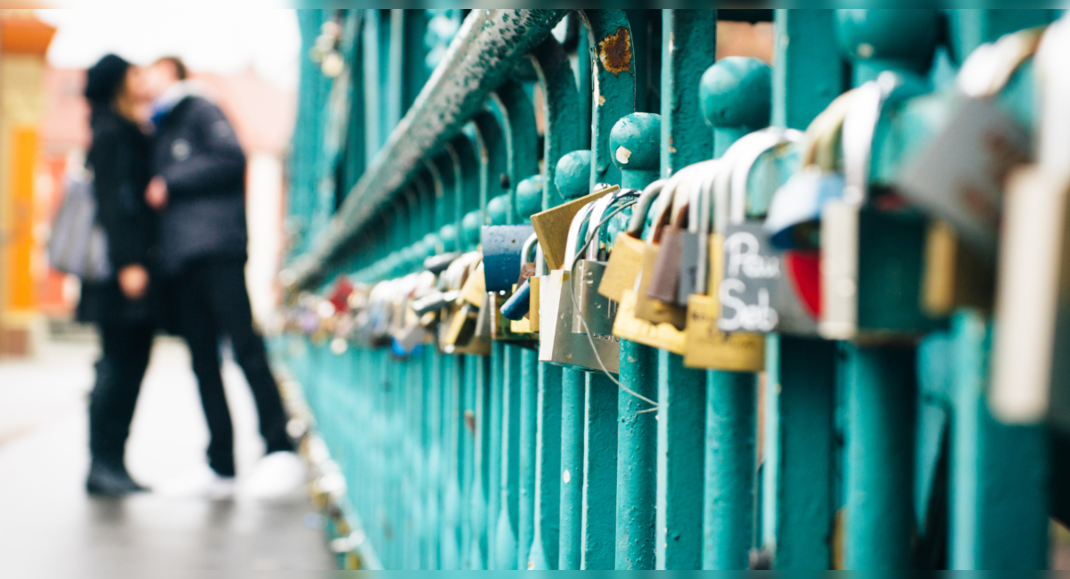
(211, 300)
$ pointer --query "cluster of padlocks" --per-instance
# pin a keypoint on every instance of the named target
(827, 335)
(785, 232)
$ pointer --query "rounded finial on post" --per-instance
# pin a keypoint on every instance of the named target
(472, 223)
(529, 196)
(448, 234)
(736, 96)
(498, 210)
(573, 175)
(635, 145)
(879, 40)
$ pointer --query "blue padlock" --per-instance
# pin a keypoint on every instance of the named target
(502, 245)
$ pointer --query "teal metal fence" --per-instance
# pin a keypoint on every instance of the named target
(823, 385)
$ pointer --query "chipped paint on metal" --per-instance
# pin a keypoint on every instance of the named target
(615, 51)
(622, 155)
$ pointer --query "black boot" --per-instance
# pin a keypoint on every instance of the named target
(110, 481)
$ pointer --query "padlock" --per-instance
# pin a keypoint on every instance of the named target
(594, 312)
(552, 226)
(751, 266)
(626, 256)
(557, 342)
(959, 178)
(502, 245)
(1030, 382)
(520, 305)
(794, 222)
(877, 297)
(707, 345)
(627, 325)
(659, 270)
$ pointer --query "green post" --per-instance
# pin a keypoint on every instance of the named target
(582, 523)
(797, 506)
(999, 474)
(735, 95)
(637, 134)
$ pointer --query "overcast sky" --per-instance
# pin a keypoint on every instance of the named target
(224, 41)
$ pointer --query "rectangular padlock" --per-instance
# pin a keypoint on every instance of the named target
(552, 226)
(502, 245)
(622, 269)
(956, 275)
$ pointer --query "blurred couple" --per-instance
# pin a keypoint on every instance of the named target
(169, 178)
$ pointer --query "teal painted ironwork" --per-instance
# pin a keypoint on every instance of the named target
(470, 462)
(637, 438)
(999, 517)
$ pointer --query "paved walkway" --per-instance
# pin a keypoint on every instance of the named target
(47, 523)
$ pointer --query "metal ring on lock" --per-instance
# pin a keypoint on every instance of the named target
(602, 206)
(746, 150)
(574, 233)
(642, 206)
(527, 249)
(859, 129)
(740, 171)
(990, 66)
(822, 135)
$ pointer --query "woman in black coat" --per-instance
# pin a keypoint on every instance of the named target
(122, 308)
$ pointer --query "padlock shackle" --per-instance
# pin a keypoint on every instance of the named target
(859, 128)
(528, 248)
(823, 134)
(573, 234)
(642, 206)
(602, 206)
(744, 164)
(990, 66)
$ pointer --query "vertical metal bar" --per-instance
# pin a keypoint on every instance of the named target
(880, 391)
(573, 401)
(506, 544)
(373, 137)
(797, 506)
(680, 453)
(561, 106)
(543, 554)
(999, 475)
(689, 44)
(494, 477)
(730, 471)
(530, 384)
(599, 473)
(470, 472)
(477, 559)
(521, 144)
(612, 97)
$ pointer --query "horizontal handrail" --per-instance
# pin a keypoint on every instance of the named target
(479, 59)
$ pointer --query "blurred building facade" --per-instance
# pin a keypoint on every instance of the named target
(24, 41)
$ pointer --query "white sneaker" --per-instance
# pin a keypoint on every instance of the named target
(198, 483)
(277, 475)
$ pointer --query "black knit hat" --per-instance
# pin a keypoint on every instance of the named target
(104, 79)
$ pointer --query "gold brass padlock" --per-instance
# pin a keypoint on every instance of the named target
(552, 226)
(954, 275)
(670, 211)
(627, 325)
(722, 199)
(626, 257)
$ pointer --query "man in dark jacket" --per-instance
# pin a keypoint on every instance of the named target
(199, 191)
